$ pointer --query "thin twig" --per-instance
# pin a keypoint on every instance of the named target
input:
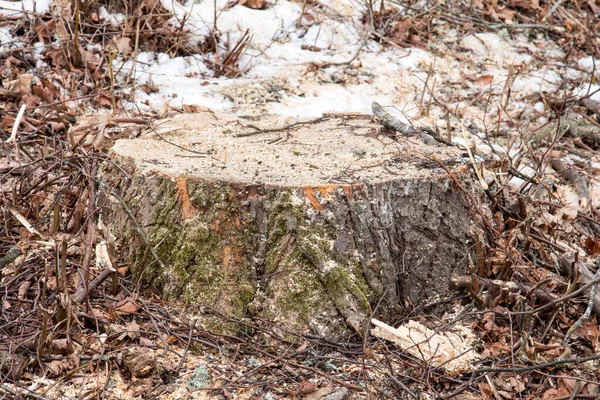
(283, 128)
(539, 366)
(588, 310)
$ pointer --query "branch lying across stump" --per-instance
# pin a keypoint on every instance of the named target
(393, 123)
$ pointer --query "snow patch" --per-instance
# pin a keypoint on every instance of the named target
(18, 8)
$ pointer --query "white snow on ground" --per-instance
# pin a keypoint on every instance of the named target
(6, 39)
(589, 64)
(593, 91)
(279, 77)
(17, 8)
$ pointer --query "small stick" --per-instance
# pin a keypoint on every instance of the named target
(429, 73)
(24, 221)
(283, 128)
(391, 122)
(13, 134)
(299, 22)
(82, 293)
(482, 181)
(587, 313)
(552, 10)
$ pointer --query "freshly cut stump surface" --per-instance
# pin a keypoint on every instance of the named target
(310, 225)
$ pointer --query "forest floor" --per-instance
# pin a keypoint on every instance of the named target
(514, 81)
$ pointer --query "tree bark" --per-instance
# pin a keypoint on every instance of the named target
(315, 256)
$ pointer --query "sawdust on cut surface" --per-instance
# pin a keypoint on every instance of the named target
(336, 150)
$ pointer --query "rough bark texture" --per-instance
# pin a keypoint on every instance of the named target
(315, 257)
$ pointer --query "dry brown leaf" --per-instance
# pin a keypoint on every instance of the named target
(193, 108)
(566, 384)
(550, 394)
(12, 364)
(486, 391)
(487, 323)
(589, 331)
(506, 14)
(493, 14)
(478, 4)
(89, 58)
(12, 62)
(127, 306)
(497, 349)
(7, 120)
(484, 79)
(131, 331)
(61, 346)
(52, 283)
(518, 386)
(592, 246)
(104, 100)
(530, 5)
(595, 9)
(448, 349)
(254, 4)
(100, 315)
(57, 55)
(124, 46)
(306, 387)
(139, 361)
(549, 351)
(58, 367)
(62, 11)
(43, 93)
(568, 26)
(320, 393)
(30, 100)
(148, 89)
(51, 87)
(302, 348)
(18, 87)
(311, 48)
(23, 287)
(44, 31)
(57, 126)
(146, 342)
(569, 213)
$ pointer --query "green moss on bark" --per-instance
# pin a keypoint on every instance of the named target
(193, 250)
(207, 257)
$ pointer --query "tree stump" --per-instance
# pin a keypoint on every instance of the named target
(306, 222)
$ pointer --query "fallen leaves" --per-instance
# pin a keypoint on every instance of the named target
(484, 79)
(17, 87)
(127, 306)
(138, 361)
(254, 4)
(449, 350)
